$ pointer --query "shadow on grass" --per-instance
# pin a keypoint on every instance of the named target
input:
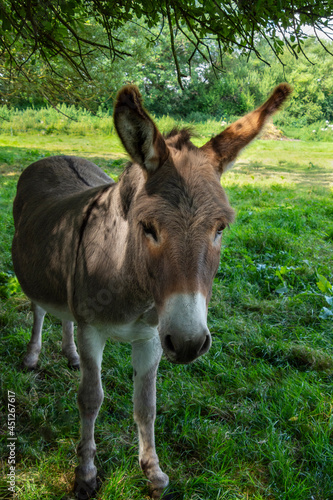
(302, 174)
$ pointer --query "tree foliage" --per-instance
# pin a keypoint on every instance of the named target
(34, 73)
(79, 31)
(243, 84)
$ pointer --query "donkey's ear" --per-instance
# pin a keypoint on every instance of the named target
(137, 131)
(223, 149)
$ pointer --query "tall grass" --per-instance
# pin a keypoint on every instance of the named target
(80, 122)
(69, 120)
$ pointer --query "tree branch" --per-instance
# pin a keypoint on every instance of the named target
(58, 110)
(173, 47)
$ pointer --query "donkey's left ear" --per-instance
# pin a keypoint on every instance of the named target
(137, 131)
(223, 149)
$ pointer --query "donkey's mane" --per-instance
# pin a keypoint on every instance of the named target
(180, 137)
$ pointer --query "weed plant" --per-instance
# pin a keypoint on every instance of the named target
(253, 418)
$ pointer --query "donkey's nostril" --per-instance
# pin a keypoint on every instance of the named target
(168, 343)
(205, 346)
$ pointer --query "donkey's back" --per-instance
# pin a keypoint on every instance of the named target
(54, 178)
(53, 197)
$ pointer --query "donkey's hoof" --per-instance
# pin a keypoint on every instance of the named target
(156, 493)
(158, 480)
(158, 485)
(74, 365)
(159, 493)
(85, 485)
(73, 358)
(30, 361)
(84, 490)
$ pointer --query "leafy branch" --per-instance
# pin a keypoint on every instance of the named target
(49, 30)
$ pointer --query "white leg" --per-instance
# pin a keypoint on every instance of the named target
(90, 397)
(68, 345)
(146, 356)
(30, 360)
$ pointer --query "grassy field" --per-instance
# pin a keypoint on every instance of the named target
(253, 418)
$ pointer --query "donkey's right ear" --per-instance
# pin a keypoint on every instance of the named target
(137, 131)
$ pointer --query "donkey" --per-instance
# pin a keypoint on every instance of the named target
(132, 261)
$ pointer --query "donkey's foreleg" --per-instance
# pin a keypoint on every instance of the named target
(146, 356)
(90, 397)
(68, 345)
(30, 360)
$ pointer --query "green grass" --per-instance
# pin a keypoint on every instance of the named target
(79, 122)
(253, 418)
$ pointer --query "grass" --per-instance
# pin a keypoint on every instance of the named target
(250, 420)
(69, 120)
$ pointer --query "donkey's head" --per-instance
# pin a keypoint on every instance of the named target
(179, 214)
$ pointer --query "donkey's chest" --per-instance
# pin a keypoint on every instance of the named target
(144, 327)
(131, 332)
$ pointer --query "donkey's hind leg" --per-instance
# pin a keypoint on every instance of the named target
(68, 345)
(30, 360)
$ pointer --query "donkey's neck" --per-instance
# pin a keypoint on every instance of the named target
(108, 252)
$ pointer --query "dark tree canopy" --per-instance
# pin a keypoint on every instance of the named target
(80, 51)
(77, 29)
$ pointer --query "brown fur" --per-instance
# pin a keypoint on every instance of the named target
(180, 138)
(223, 149)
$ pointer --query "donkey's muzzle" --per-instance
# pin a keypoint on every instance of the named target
(183, 327)
(183, 351)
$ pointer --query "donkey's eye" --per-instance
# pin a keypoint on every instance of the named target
(149, 230)
(219, 230)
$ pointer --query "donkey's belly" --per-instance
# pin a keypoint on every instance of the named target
(143, 328)
(60, 312)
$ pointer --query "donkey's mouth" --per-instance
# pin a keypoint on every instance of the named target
(183, 327)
